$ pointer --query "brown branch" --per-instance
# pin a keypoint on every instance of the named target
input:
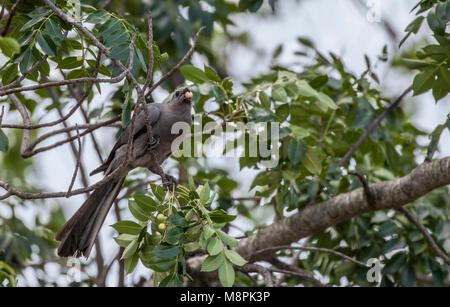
(29, 152)
(253, 267)
(365, 184)
(387, 195)
(21, 78)
(77, 164)
(72, 81)
(178, 65)
(149, 77)
(24, 195)
(12, 12)
(372, 127)
(1, 114)
(425, 233)
(311, 249)
(294, 270)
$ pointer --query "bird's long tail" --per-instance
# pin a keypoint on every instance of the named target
(78, 235)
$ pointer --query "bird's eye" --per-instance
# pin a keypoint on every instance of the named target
(177, 94)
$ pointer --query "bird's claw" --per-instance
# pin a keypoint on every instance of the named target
(153, 143)
(169, 181)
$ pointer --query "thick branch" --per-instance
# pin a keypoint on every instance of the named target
(386, 195)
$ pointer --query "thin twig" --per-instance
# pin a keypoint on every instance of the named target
(312, 249)
(425, 233)
(372, 127)
(77, 165)
(288, 269)
(67, 82)
(24, 195)
(253, 267)
(12, 12)
(366, 187)
(178, 65)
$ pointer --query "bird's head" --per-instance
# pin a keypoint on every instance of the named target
(183, 95)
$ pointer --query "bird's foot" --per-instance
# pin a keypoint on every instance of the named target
(153, 143)
(169, 181)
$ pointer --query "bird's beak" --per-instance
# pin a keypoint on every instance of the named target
(187, 95)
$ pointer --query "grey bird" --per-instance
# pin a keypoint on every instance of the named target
(78, 235)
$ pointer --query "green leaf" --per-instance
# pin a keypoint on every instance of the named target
(9, 46)
(214, 246)
(26, 62)
(10, 74)
(234, 257)
(97, 17)
(193, 74)
(192, 246)
(138, 212)
(126, 111)
(128, 227)
(226, 274)
(279, 94)
(304, 89)
(174, 235)
(415, 64)
(435, 136)
(265, 100)
(423, 81)
(121, 52)
(32, 22)
(70, 63)
(124, 239)
(161, 264)
(178, 220)
(435, 24)
(296, 151)
(54, 31)
(130, 263)
(313, 160)
(220, 216)
(413, 27)
(130, 249)
(4, 142)
(77, 73)
(325, 102)
(158, 191)
(146, 203)
(211, 74)
(204, 194)
(408, 276)
(299, 133)
(226, 239)
(212, 263)
(164, 252)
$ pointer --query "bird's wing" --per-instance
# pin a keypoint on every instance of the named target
(154, 111)
(154, 114)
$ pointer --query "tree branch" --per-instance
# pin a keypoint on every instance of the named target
(372, 127)
(425, 233)
(387, 195)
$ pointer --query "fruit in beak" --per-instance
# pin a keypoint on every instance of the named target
(188, 95)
